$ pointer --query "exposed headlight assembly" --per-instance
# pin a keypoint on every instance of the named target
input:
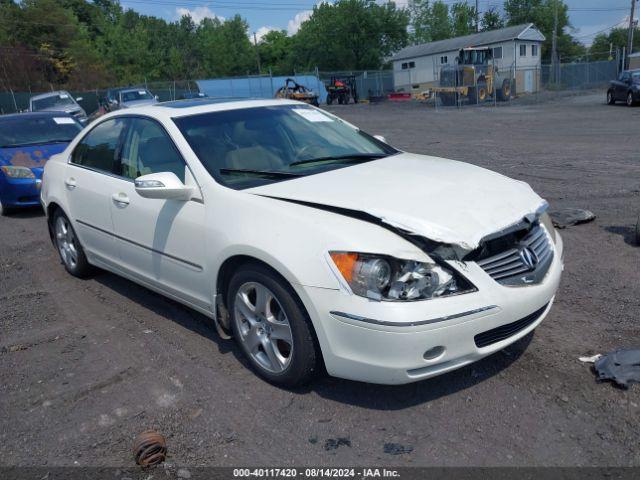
(381, 277)
(17, 172)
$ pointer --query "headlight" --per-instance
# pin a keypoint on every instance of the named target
(545, 219)
(17, 172)
(381, 277)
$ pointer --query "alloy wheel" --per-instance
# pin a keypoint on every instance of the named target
(66, 241)
(264, 327)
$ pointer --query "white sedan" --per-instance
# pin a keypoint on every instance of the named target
(311, 242)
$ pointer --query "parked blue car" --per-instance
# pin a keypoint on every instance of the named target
(27, 140)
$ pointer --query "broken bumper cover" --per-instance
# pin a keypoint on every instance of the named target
(402, 342)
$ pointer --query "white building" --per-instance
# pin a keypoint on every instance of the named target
(515, 49)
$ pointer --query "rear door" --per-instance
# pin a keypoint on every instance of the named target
(162, 242)
(89, 181)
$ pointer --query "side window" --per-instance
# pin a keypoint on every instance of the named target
(97, 150)
(534, 50)
(497, 53)
(148, 149)
(523, 50)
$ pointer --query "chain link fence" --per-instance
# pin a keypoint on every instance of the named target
(455, 86)
(91, 100)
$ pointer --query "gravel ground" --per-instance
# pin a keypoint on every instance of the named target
(86, 365)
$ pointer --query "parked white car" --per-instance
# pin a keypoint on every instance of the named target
(310, 241)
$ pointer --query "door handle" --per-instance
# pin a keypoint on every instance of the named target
(70, 183)
(120, 199)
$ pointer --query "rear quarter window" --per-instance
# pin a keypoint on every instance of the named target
(97, 150)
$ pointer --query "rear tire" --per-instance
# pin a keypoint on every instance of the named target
(611, 100)
(272, 327)
(71, 252)
(504, 94)
(472, 98)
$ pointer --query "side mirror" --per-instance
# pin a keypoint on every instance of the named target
(79, 99)
(164, 185)
(381, 138)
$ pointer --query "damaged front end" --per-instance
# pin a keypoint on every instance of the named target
(519, 254)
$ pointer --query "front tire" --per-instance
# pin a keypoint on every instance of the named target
(272, 327)
(69, 248)
(611, 100)
(4, 211)
(630, 101)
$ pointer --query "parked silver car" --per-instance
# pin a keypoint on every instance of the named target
(61, 101)
(129, 97)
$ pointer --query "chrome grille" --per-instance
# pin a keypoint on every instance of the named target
(517, 265)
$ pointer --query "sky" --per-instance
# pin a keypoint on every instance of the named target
(588, 17)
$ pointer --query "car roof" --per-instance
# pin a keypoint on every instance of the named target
(183, 108)
(50, 94)
(40, 114)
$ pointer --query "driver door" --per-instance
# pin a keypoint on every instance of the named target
(162, 241)
(621, 86)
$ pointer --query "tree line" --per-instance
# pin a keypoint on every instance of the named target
(79, 44)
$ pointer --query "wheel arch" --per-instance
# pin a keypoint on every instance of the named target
(51, 210)
(236, 261)
(232, 263)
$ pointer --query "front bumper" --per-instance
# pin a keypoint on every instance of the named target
(411, 341)
(20, 192)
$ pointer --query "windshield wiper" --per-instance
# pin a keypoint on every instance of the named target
(352, 157)
(270, 173)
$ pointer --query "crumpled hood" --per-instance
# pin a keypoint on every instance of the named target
(32, 156)
(443, 200)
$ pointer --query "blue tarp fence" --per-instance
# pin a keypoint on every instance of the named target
(258, 86)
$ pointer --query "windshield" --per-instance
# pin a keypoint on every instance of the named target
(58, 100)
(135, 95)
(15, 132)
(248, 147)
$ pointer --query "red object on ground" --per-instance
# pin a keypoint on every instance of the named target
(399, 97)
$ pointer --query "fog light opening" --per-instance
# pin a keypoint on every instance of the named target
(434, 353)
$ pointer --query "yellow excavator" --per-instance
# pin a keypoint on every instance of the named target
(472, 79)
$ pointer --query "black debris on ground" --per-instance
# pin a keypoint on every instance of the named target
(335, 443)
(621, 366)
(570, 216)
(397, 449)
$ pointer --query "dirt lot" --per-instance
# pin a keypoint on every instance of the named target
(86, 365)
